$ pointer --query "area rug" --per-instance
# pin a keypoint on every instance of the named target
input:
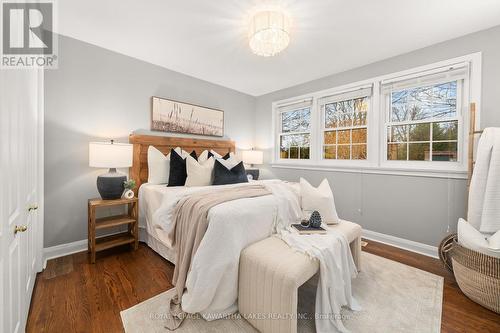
(394, 297)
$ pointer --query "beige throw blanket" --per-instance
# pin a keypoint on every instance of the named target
(190, 220)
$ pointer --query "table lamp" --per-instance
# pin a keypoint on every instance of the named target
(253, 157)
(110, 155)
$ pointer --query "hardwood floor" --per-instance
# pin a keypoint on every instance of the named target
(72, 295)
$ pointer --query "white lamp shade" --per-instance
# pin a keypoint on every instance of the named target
(110, 155)
(253, 157)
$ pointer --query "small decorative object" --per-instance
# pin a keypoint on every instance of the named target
(110, 155)
(308, 230)
(304, 223)
(129, 185)
(173, 116)
(315, 220)
(253, 157)
(128, 194)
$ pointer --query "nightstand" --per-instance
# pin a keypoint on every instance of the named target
(131, 236)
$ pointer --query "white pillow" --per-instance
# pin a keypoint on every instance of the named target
(182, 153)
(471, 238)
(320, 199)
(494, 242)
(230, 163)
(203, 156)
(199, 174)
(158, 166)
(217, 155)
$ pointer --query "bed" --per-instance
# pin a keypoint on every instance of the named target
(150, 199)
(211, 286)
(212, 281)
(151, 196)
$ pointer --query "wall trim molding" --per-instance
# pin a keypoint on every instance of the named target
(376, 170)
(405, 244)
(63, 250)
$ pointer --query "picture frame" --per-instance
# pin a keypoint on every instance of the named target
(179, 117)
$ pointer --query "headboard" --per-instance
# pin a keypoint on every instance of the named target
(139, 169)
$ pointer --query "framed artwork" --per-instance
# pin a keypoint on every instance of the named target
(173, 116)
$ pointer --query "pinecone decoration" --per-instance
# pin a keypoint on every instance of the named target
(315, 220)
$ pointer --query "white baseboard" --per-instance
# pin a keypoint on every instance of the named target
(405, 244)
(63, 250)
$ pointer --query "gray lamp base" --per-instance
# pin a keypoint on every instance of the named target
(110, 185)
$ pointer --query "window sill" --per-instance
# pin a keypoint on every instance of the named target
(367, 169)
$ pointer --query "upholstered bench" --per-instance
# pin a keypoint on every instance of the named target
(270, 275)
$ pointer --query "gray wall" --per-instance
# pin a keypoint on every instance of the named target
(97, 94)
(414, 208)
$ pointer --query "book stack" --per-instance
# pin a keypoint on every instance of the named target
(306, 230)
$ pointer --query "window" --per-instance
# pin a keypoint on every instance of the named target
(423, 116)
(344, 121)
(295, 127)
(410, 122)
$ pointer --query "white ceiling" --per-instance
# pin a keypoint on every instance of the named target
(207, 39)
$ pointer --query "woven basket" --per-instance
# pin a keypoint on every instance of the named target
(477, 275)
(445, 250)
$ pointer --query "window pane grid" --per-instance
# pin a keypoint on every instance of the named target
(423, 123)
(441, 145)
(345, 129)
(350, 145)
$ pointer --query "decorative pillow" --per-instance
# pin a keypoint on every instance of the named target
(224, 176)
(230, 162)
(320, 199)
(178, 174)
(494, 242)
(158, 166)
(192, 154)
(199, 174)
(471, 238)
(217, 155)
(204, 156)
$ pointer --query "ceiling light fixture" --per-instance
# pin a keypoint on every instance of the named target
(269, 33)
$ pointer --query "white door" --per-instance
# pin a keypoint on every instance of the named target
(20, 104)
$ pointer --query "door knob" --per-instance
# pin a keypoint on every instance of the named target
(20, 228)
(32, 207)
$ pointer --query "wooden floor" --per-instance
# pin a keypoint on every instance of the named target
(72, 295)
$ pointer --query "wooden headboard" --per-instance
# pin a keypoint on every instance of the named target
(139, 169)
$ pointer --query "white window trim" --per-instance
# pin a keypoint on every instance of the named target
(376, 148)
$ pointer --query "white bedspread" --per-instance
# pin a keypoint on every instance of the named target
(212, 283)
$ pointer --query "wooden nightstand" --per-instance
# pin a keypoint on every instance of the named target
(130, 219)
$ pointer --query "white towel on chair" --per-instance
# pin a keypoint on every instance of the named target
(484, 192)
